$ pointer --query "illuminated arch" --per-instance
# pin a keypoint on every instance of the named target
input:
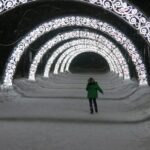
(124, 10)
(114, 51)
(67, 54)
(65, 36)
(66, 62)
(67, 65)
(55, 54)
(72, 44)
(62, 61)
(73, 54)
(112, 63)
(73, 21)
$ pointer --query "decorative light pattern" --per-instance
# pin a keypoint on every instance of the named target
(129, 13)
(115, 67)
(124, 10)
(73, 21)
(107, 57)
(100, 43)
(66, 36)
(62, 61)
(9, 4)
(67, 65)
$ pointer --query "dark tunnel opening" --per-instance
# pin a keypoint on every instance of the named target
(89, 62)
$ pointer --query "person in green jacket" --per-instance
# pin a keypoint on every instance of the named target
(92, 93)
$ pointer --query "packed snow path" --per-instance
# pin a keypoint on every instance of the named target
(53, 114)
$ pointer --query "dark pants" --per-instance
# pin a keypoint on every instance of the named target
(91, 102)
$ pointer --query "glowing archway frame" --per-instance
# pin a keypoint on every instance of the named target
(107, 56)
(72, 44)
(73, 21)
(62, 37)
(73, 54)
(67, 62)
(61, 62)
(112, 50)
(67, 65)
(63, 59)
(124, 10)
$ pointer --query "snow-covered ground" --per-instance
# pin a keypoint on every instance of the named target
(53, 114)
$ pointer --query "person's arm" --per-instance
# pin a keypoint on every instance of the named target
(100, 89)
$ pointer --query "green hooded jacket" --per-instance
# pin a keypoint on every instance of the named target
(93, 89)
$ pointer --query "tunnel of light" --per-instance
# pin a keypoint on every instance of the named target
(115, 52)
(68, 35)
(106, 56)
(85, 42)
(68, 60)
(63, 59)
(112, 63)
(73, 21)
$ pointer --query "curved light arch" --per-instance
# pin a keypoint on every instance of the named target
(68, 53)
(112, 63)
(124, 10)
(62, 61)
(116, 53)
(75, 42)
(62, 37)
(67, 65)
(55, 55)
(73, 21)
(79, 51)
